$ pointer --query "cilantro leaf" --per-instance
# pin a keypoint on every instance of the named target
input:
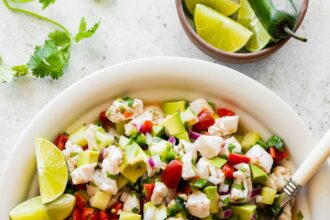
(275, 141)
(84, 32)
(20, 70)
(231, 147)
(51, 58)
(6, 74)
(46, 3)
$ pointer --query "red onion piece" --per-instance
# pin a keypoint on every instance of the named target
(255, 193)
(254, 217)
(194, 135)
(104, 153)
(151, 162)
(227, 213)
(172, 140)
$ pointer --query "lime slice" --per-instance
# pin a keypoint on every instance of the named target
(248, 18)
(226, 7)
(33, 209)
(219, 30)
(52, 170)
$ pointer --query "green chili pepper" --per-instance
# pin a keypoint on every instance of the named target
(278, 17)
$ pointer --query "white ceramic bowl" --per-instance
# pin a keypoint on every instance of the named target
(158, 79)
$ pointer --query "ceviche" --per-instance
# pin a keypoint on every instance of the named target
(177, 160)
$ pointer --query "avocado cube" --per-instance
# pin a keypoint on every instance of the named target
(172, 107)
(212, 194)
(244, 212)
(141, 139)
(88, 157)
(218, 162)
(183, 136)
(157, 131)
(258, 175)
(249, 140)
(129, 216)
(173, 124)
(267, 196)
(121, 181)
(100, 200)
(78, 137)
(133, 166)
(120, 127)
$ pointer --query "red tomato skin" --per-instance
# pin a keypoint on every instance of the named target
(146, 127)
(172, 174)
(115, 210)
(228, 170)
(61, 140)
(104, 215)
(238, 158)
(103, 117)
(223, 112)
(90, 214)
(149, 188)
(76, 215)
(277, 155)
(205, 120)
(81, 202)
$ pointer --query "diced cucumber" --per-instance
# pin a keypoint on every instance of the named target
(88, 157)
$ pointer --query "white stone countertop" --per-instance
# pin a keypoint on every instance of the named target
(299, 73)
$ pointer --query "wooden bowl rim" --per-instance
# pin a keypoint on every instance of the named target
(232, 55)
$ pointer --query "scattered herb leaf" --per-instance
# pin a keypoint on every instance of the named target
(276, 141)
(84, 32)
(231, 147)
(45, 3)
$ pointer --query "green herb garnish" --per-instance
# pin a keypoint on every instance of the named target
(275, 141)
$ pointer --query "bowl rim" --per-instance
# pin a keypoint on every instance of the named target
(120, 73)
(230, 56)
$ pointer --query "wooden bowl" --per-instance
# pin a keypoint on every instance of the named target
(231, 57)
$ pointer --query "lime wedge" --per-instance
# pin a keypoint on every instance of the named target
(33, 209)
(226, 7)
(52, 170)
(248, 18)
(219, 30)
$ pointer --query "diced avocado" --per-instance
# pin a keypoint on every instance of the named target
(141, 139)
(181, 215)
(78, 137)
(172, 107)
(183, 136)
(100, 200)
(188, 117)
(218, 162)
(244, 212)
(121, 181)
(267, 196)
(157, 131)
(258, 175)
(212, 194)
(124, 141)
(133, 166)
(120, 127)
(88, 157)
(161, 213)
(161, 148)
(173, 124)
(129, 216)
(249, 140)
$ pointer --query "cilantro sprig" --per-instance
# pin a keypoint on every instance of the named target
(51, 58)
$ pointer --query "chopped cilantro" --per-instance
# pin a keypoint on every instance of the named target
(238, 186)
(135, 210)
(199, 184)
(262, 144)
(129, 101)
(231, 147)
(275, 141)
(84, 32)
(111, 176)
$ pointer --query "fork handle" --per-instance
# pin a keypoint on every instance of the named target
(313, 161)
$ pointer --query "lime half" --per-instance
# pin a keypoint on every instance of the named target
(219, 30)
(52, 170)
(33, 209)
(248, 18)
(226, 7)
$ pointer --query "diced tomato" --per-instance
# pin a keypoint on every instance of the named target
(205, 120)
(128, 114)
(103, 118)
(146, 127)
(148, 188)
(187, 189)
(222, 112)
(76, 215)
(81, 186)
(90, 214)
(60, 141)
(228, 170)
(172, 174)
(81, 201)
(104, 215)
(277, 155)
(238, 158)
(85, 147)
(115, 209)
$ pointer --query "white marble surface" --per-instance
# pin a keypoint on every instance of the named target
(299, 73)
